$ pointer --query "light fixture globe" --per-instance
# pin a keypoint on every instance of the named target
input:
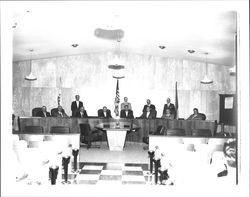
(30, 77)
(206, 80)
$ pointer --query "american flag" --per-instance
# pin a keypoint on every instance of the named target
(117, 97)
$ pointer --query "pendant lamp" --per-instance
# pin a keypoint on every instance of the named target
(30, 77)
(206, 80)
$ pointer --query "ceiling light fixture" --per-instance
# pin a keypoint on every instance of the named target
(206, 80)
(162, 47)
(74, 45)
(30, 77)
(191, 51)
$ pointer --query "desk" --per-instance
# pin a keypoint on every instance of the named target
(116, 132)
(144, 125)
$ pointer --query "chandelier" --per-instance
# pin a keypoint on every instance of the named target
(206, 80)
(30, 77)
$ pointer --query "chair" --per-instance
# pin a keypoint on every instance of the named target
(203, 116)
(87, 135)
(35, 111)
(201, 132)
(33, 129)
(53, 112)
(59, 129)
(159, 131)
(176, 132)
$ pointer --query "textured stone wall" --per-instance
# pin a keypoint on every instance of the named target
(145, 77)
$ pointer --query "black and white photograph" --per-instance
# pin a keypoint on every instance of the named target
(125, 98)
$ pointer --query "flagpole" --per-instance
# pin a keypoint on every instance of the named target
(176, 101)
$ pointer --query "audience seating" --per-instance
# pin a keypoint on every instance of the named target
(33, 129)
(175, 132)
(59, 129)
(87, 135)
(201, 133)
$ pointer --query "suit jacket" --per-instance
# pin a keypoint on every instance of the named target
(123, 114)
(171, 107)
(101, 114)
(152, 114)
(40, 114)
(199, 116)
(74, 107)
(152, 107)
(78, 114)
(56, 114)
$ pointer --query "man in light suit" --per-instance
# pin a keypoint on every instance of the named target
(75, 105)
(126, 112)
(126, 103)
(148, 105)
(43, 113)
(149, 113)
(104, 113)
(169, 106)
(196, 115)
(82, 113)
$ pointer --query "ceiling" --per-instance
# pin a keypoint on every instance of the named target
(50, 28)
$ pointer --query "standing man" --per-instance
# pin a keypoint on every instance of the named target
(169, 106)
(126, 103)
(152, 107)
(75, 105)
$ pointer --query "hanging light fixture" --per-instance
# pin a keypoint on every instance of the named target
(30, 77)
(206, 80)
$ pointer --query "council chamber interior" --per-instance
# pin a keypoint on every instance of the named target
(101, 56)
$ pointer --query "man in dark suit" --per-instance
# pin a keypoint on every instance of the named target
(126, 112)
(104, 113)
(169, 106)
(60, 112)
(43, 113)
(148, 105)
(75, 105)
(82, 113)
(149, 113)
(196, 115)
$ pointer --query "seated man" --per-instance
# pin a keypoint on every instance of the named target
(126, 103)
(126, 112)
(60, 112)
(148, 105)
(104, 113)
(82, 113)
(149, 113)
(43, 113)
(167, 115)
(196, 115)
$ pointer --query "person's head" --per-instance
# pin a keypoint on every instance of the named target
(195, 111)
(126, 107)
(60, 108)
(125, 99)
(168, 100)
(105, 109)
(148, 102)
(148, 109)
(44, 109)
(77, 97)
(229, 151)
(82, 109)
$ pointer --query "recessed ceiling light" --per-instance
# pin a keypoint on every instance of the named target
(74, 45)
(14, 25)
(162, 47)
(191, 51)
